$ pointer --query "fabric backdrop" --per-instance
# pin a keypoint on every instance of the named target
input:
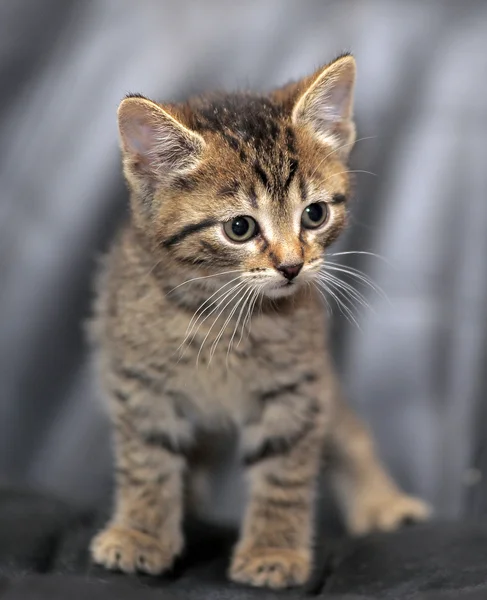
(416, 367)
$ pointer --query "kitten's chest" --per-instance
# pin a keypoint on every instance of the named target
(223, 377)
(214, 380)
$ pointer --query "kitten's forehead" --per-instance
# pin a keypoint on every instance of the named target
(258, 131)
(240, 118)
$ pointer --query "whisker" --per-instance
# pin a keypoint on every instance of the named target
(347, 288)
(202, 277)
(335, 150)
(232, 298)
(327, 304)
(345, 300)
(321, 288)
(359, 275)
(247, 322)
(224, 326)
(208, 300)
(362, 252)
(248, 296)
(348, 314)
(250, 312)
(201, 318)
(347, 285)
(242, 302)
(347, 171)
(218, 303)
(153, 268)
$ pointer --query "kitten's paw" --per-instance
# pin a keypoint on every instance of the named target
(128, 550)
(386, 512)
(271, 567)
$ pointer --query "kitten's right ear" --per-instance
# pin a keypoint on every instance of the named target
(326, 105)
(153, 142)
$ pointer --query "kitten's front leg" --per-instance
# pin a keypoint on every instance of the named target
(283, 458)
(144, 533)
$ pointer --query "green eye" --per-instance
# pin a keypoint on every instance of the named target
(314, 215)
(241, 229)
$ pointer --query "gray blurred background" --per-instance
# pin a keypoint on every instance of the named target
(416, 368)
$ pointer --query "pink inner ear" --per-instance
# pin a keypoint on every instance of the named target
(139, 136)
(339, 101)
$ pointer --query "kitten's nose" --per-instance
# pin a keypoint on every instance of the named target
(290, 271)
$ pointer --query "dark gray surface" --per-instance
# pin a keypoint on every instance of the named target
(417, 367)
(43, 555)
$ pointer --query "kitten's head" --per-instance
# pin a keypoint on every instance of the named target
(241, 182)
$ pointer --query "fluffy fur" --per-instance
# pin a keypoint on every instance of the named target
(198, 333)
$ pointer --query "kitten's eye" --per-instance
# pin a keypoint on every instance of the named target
(241, 229)
(314, 215)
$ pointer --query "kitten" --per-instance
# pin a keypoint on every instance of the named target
(205, 321)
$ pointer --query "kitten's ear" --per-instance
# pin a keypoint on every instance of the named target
(153, 142)
(326, 105)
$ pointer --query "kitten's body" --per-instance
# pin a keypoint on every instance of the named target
(197, 333)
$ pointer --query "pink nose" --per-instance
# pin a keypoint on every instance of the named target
(290, 271)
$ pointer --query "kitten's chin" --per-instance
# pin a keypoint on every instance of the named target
(282, 291)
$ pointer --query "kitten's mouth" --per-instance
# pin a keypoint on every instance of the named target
(284, 288)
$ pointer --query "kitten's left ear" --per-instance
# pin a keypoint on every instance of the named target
(326, 106)
(154, 143)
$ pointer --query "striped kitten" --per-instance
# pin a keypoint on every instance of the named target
(205, 321)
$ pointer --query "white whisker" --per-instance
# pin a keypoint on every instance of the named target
(335, 150)
(248, 318)
(342, 306)
(224, 326)
(321, 289)
(218, 303)
(347, 288)
(247, 297)
(198, 310)
(232, 298)
(361, 252)
(359, 275)
(202, 277)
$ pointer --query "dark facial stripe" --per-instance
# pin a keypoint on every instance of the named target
(216, 256)
(332, 234)
(303, 190)
(265, 243)
(229, 190)
(184, 183)
(253, 198)
(188, 230)
(273, 257)
(214, 261)
(338, 199)
(261, 174)
(192, 261)
(206, 246)
(293, 167)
